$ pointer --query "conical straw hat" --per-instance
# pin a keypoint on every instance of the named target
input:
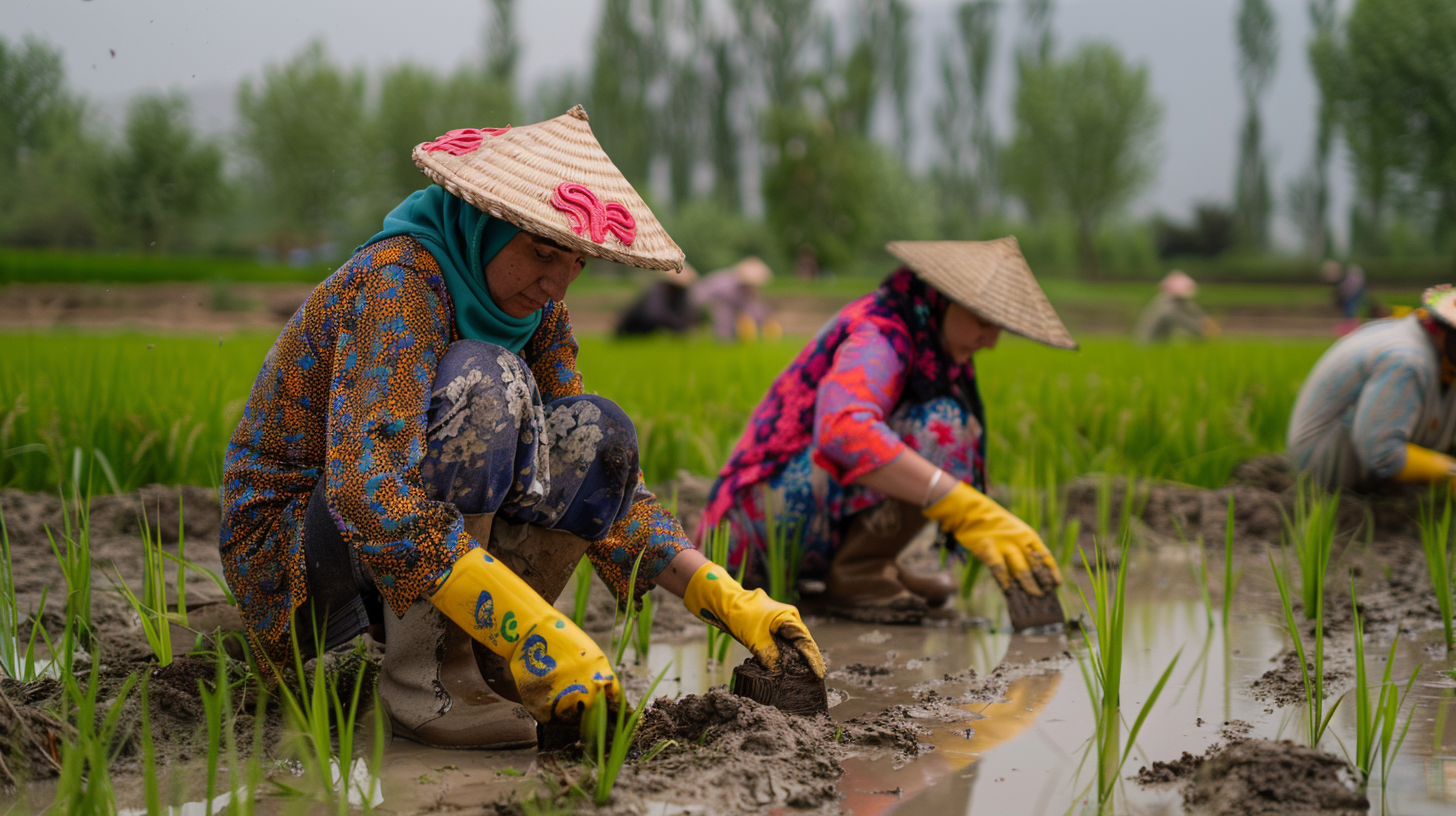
(990, 278)
(552, 179)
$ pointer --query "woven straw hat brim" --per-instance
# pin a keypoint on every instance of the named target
(990, 278)
(1440, 303)
(515, 174)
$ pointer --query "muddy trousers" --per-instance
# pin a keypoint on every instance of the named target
(817, 510)
(568, 466)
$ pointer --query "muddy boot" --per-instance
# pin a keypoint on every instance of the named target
(434, 693)
(863, 583)
(935, 587)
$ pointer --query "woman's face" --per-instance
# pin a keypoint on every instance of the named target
(965, 334)
(529, 271)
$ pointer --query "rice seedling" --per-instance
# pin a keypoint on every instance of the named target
(1311, 534)
(151, 608)
(74, 557)
(1436, 541)
(17, 658)
(582, 592)
(627, 617)
(1375, 719)
(1104, 678)
(1312, 673)
(783, 552)
(323, 718)
(84, 784)
(609, 747)
(643, 629)
(1230, 576)
(719, 542)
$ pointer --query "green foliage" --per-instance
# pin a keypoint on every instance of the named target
(582, 576)
(298, 128)
(1311, 533)
(151, 607)
(1258, 40)
(609, 748)
(1375, 718)
(1107, 609)
(1394, 79)
(1085, 142)
(41, 266)
(162, 408)
(43, 150)
(783, 555)
(1311, 671)
(162, 178)
(415, 105)
(84, 785)
(1440, 563)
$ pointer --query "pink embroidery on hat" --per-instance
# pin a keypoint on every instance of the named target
(588, 214)
(462, 141)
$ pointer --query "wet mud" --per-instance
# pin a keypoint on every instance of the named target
(916, 714)
(1262, 777)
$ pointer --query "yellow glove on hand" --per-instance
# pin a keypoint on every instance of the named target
(1003, 542)
(1425, 465)
(752, 618)
(559, 670)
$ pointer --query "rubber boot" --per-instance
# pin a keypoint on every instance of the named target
(935, 587)
(432, 689)
(863, 583)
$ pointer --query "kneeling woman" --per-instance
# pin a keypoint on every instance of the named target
(878, 426)
(419, 439)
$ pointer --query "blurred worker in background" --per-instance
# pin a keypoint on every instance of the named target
(1348, 282)
(735, 304)
(425, 402)
(877, 426)
(1174, 311)
(1379, 406)
(666, 305)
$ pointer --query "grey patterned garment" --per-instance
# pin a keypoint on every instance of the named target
(1375, 390)
(568, 465)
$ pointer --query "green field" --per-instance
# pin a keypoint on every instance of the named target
(160, 408)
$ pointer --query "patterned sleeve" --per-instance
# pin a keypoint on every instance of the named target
(647, 529)
(385, 360)
(855, 396)
(1387, 411)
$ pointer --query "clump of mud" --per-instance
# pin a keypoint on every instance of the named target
(742, 756)
(1184, 767)
(1259, 777)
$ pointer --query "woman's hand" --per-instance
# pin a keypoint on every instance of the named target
(752, 618)
(1004, 543)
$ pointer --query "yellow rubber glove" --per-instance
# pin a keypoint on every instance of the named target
(752, 618)
(1004, 543)
(1425, 465)
(745, 328)
(559, 670)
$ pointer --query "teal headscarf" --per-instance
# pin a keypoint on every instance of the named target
(463, 240)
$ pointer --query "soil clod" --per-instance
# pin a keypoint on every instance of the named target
(793, 688)
(1259, 776)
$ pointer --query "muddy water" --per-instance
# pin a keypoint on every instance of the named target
(1010, 717)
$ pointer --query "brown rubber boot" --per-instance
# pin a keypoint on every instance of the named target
(863, 583)
(432, 689)
(935, 587)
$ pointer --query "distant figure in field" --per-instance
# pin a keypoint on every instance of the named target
(1348, 281)
(1174, 311)
(731, 296)
(1379, 406)
(666, 305)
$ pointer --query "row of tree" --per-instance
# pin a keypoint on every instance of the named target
(754, 126)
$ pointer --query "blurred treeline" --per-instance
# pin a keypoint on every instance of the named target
(775, 128)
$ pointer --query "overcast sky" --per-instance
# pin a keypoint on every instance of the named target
(204, 47)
